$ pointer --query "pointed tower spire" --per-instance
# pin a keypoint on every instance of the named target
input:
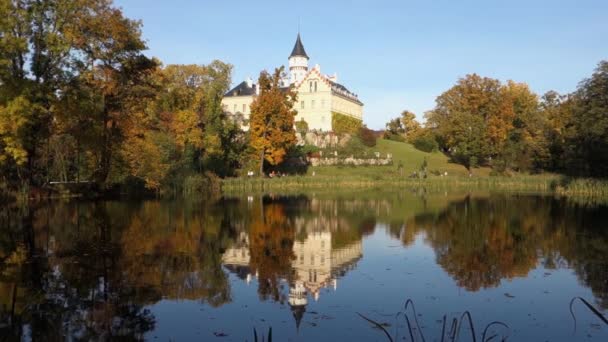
(298, 49)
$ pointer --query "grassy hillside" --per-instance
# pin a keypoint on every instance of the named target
(350, 178)
(410, 158)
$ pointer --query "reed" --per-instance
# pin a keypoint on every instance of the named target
(587, 189)
(450, 335)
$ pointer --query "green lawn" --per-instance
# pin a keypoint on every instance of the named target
(410, 158)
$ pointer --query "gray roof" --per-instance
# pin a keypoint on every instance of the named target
(242, 89)
(341, 90)
(298, 49)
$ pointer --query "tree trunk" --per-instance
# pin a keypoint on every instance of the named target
(262, 155)
(262, 162)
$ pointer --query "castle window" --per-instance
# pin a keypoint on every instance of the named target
(322, 103)
(235, 108)
(315, 85)
(302, 104)
(310, 86)
(244, 107)
(312, 104)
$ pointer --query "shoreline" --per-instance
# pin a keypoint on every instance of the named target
(545, 184)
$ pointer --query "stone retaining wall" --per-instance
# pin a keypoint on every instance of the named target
(331, 161)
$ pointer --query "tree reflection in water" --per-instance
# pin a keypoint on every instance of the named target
(90, 270)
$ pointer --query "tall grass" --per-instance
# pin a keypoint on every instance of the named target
(587, 187)
(548, 184)
(539, 184)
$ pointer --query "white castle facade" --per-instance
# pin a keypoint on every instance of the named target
(320, 96)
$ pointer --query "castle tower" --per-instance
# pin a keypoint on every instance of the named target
(298, 301)
(298, 62)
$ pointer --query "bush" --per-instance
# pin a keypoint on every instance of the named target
(367, 136)
(199, 184)
(342, 124)
(426, 143)
(354, 147)
(309, 149)
(302, 126)
(394, 137)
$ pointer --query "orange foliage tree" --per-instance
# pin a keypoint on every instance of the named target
(272, 119)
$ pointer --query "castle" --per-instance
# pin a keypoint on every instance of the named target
(320, 97)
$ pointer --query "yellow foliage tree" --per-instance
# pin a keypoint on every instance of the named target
(14, 121)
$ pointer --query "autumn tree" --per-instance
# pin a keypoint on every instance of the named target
(34, 46)
(272, 119)
(474, 109)
(402, 128)
(526, 147)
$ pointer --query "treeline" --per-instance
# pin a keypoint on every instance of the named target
(79, 101)
(481, 121)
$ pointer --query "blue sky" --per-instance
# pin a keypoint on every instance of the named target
(395, 55)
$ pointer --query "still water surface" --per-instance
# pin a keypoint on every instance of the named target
(305, 266)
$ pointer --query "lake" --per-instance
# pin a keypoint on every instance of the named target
(307, 266)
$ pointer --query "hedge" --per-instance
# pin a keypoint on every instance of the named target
(341, 123)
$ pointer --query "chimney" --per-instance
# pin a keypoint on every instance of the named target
(334, 77)
(249, 82)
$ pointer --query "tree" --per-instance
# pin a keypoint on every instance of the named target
(587, 133)
(272, 119)
(557, 110)
(394, 130)
(526, 147)
(367, 136)
(410, 125)
(402, 128)
(481, 120)
(34, 45)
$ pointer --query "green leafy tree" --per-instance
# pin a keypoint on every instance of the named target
(587, 136)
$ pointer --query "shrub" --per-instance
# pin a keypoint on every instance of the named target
(354, 147)
(302, 126)
(341, 124)
(199, 184)
(309, 149)
(367, 136)
(394, 137)
(426, 143)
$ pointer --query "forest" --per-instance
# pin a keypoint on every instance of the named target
(81, 103)
(482, 121)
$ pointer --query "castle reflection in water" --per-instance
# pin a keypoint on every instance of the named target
(316, 263)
